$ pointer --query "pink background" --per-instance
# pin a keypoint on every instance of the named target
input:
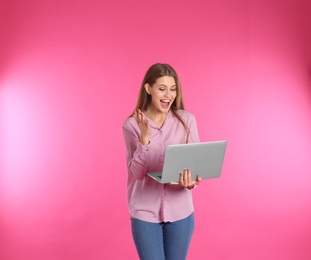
(70, 73)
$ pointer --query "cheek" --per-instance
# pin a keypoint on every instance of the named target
(155, 98)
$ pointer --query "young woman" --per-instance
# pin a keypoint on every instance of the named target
(161, 214)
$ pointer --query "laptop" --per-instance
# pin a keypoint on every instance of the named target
(204, 159)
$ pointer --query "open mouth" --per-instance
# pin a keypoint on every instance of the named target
(165, 103)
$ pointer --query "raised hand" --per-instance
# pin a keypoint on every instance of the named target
(144, 127)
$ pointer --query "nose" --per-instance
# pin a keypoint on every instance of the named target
(167, 93)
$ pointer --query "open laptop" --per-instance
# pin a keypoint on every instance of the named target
(204, 159)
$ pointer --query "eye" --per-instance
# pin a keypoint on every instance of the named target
(173, 89)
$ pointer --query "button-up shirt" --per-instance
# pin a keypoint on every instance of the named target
(149, 200)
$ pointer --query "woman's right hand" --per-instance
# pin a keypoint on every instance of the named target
(144, 127)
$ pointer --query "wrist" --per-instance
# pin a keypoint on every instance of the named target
(144, 141)
(191, 187)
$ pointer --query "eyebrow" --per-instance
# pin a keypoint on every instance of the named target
(166, 86)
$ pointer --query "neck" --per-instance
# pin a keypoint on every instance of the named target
(157, 117)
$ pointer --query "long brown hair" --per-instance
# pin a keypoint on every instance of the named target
(156, 71)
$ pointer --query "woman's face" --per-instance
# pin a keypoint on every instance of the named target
(163, 93)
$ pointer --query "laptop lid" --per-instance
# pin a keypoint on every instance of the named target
(204, 159)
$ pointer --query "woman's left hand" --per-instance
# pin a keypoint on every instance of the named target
(186, 181)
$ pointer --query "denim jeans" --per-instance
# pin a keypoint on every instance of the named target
(163, 241)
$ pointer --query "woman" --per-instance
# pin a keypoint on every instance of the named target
(161, 214)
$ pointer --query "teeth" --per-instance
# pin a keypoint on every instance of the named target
(167, 101)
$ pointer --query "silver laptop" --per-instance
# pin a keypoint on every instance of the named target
(204, 159)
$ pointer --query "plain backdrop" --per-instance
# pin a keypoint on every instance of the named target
(70, 72)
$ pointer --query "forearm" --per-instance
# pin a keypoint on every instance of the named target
(137, 170)
(138, 160)
(137, 151)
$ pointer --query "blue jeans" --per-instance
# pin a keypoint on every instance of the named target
(163, 241)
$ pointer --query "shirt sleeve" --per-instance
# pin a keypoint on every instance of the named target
(193, 131)
(136, 153)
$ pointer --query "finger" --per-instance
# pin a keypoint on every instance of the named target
(181, 179)
(142, 120)
(139, 117)
(135, 115)
(145, 121)
(188, 177)
(184, 178)
(141, 114)
(198, 180)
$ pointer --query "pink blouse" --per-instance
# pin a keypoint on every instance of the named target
(149, 200)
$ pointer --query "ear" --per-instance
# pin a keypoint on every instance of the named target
(147, 88)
